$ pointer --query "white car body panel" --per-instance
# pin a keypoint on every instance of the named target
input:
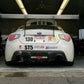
(55, 45)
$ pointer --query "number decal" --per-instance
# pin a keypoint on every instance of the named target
(28, 47)
(29, 38)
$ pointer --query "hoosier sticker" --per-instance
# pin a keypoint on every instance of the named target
(49, 47)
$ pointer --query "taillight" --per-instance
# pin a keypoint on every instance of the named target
(65, 37)
(13, 37)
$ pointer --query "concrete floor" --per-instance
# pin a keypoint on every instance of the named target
(43, 74)
(43, 80)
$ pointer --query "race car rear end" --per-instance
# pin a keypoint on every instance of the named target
(39, 45)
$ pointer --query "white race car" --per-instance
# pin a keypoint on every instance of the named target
(39, 40)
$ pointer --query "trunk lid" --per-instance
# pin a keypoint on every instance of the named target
(39, 36)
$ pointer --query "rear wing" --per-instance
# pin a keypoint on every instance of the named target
(37, 16)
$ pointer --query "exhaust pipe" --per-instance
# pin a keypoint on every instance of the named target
(20, 57)
(21, 60)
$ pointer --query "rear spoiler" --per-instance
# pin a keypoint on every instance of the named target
(37, 16)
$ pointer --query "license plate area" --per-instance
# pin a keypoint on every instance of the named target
(39, 57)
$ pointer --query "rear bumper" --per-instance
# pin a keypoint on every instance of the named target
(30, 56)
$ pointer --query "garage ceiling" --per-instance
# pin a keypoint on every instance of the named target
(38, 7)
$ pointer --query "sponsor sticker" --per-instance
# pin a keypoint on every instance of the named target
(56, 38)
(42, 47)
(50, 47)
(39, 37)
(20, 46)
(49, 38)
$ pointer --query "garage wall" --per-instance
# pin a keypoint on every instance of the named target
(70, 26)
(8, 26)
(81, 12)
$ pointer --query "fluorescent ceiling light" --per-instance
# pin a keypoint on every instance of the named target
(21, 6)
(59, 12)
(24, 11)
(62, 7)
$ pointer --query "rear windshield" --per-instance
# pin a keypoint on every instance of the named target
(41, 27)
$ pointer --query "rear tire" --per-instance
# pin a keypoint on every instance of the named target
(70, 63)
(9, 63)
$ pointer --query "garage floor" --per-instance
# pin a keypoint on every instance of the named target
(43, 74)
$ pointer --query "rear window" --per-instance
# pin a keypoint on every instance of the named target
(34, 23)
(41, 27)
(49, 23)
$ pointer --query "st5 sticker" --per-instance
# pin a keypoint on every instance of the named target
(28, 47)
